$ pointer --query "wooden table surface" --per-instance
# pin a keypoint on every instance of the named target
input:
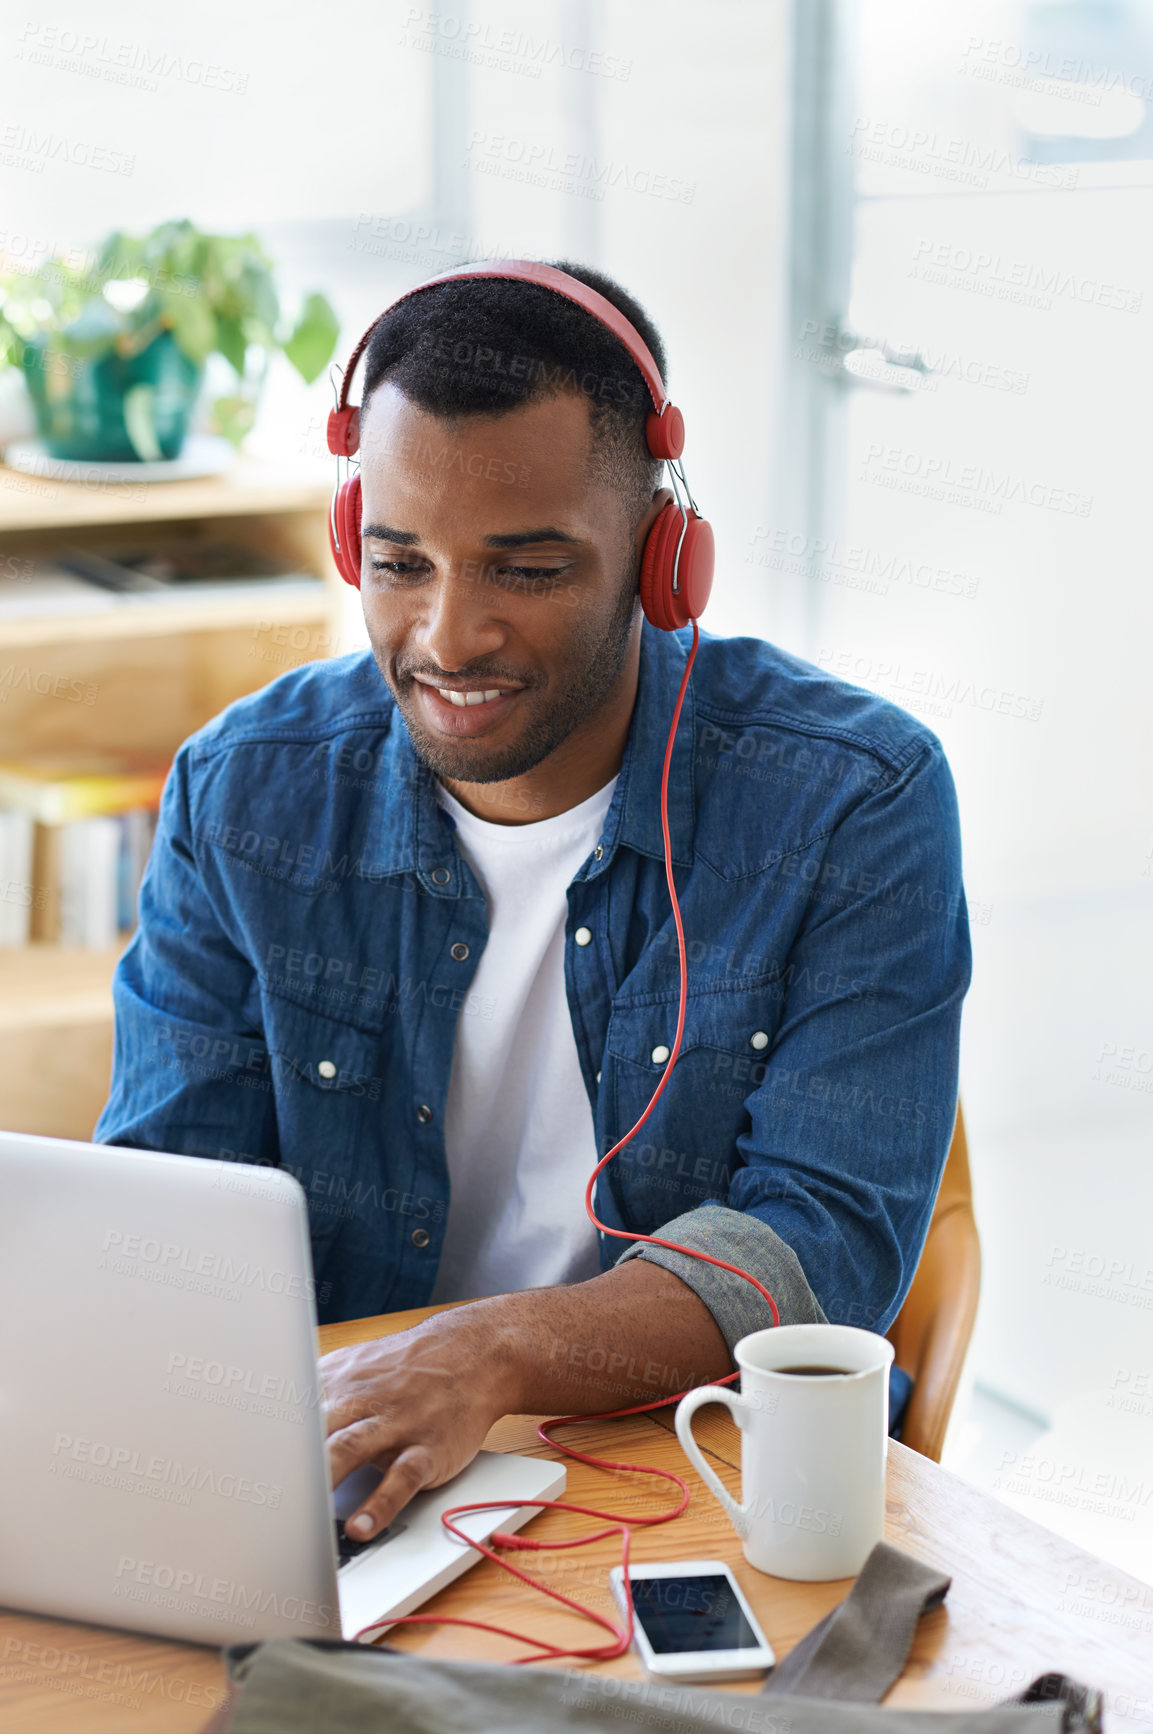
(1023, 1601)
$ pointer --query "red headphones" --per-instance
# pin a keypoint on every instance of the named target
(677, 562)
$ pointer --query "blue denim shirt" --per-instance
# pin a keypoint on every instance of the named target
(292, 992)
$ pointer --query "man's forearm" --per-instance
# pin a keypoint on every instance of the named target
(629, 1336)
(419, 1404)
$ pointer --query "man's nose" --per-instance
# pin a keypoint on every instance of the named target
(460, 625)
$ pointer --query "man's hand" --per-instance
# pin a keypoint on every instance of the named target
(418, 1405)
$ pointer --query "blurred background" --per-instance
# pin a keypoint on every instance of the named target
(900, 255)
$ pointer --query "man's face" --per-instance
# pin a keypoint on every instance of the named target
(497, 578)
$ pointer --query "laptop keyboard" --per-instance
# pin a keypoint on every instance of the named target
(348, 1549)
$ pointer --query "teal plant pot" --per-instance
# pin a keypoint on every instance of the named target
(114, 410)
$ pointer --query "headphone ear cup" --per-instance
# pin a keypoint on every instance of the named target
(344, 518)
(657, 568)
(664, 606)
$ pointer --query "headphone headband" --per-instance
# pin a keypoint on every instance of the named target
(664, 430)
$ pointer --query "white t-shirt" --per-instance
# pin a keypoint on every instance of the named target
(519, 1132)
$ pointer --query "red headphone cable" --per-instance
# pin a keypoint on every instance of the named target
(621, 1636)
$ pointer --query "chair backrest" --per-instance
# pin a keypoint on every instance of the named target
(932, 1330)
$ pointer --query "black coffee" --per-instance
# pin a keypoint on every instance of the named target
(813, 1372)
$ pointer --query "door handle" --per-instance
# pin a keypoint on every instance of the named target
(874, 363)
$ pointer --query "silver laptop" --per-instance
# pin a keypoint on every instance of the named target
(161, 1434)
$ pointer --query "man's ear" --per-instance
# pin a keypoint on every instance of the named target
(660, 500)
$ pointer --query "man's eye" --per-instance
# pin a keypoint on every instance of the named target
(398, 568)
(510, 576)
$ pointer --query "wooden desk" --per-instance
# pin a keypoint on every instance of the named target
(1023, 1601)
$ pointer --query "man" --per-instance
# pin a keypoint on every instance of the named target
(406, 930)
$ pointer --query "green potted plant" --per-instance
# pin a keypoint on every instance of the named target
(113, 349)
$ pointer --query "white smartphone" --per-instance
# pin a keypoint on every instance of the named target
(691, 1621)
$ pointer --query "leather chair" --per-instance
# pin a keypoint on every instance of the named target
(931, 1332)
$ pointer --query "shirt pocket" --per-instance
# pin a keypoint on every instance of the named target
(329, 1099)
(688, 1146)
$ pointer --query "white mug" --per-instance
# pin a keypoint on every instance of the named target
(813, 1448)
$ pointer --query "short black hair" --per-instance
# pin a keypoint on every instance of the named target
(487, 345)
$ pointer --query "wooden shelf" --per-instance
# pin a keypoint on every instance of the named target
(108, 616)
(249, 488)
(42, 986)
(109, 674)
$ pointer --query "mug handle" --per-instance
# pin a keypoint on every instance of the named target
(741, 1410)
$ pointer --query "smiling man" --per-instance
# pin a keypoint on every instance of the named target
(406, 931)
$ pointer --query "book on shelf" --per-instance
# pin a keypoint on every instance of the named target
(16, 882)
(86, 877)
(74, 842)
(160, 573)
(174, 562)
(89, 883)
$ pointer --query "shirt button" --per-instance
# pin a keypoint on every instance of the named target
(326, 1069)
(583, 936)
(420, 1237)
(424, 1113)
(441, 875)
(598, 1077)
(758, 1040)
(660, 1055)
(598, 852)
(459, 951)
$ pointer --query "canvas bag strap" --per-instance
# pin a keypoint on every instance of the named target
(856, 1652)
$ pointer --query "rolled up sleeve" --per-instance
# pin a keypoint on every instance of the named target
(742, 1239)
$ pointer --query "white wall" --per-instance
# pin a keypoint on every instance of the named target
(125, 114)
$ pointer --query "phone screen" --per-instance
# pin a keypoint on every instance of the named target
(682, 1614)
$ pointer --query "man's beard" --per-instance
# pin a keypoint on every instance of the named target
(599, 663)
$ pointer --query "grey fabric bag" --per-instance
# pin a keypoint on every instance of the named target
(829, 1683)
(290, 1686)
